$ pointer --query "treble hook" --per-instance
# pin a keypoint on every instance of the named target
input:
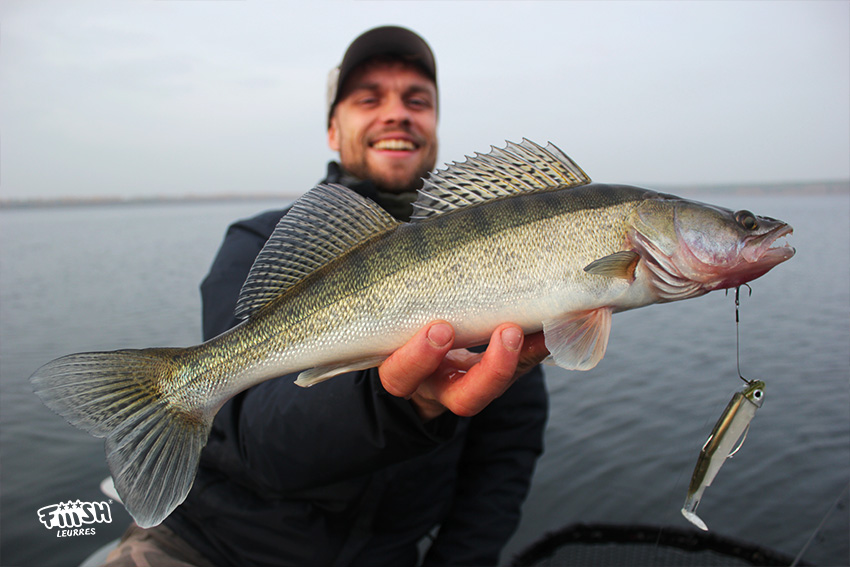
(737, 333)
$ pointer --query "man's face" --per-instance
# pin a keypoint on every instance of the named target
(385, 125)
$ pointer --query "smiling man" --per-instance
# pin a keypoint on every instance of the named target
(384, 124)
(436, 445)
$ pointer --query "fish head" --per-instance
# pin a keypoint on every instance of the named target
(754, 392)
(692, 248)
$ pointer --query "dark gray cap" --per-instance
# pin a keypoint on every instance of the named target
(385, 40)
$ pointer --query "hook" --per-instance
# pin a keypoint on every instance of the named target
(737, 333)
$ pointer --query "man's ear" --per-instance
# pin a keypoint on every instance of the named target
(333, 134)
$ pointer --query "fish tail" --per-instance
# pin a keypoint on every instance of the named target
(153, 441)
(689, 511)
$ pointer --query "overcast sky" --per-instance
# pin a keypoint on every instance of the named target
(177, 97)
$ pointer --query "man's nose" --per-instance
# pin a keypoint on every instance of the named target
(396, 111)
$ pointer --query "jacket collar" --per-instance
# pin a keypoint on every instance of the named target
(399, 205)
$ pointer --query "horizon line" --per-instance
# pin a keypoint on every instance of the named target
(835, 186)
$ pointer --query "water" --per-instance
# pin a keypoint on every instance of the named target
(622, 439)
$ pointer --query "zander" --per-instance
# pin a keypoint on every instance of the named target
(516, 235)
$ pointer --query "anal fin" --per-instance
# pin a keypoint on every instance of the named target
(321, 373)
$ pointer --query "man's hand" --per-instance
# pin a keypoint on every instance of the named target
(435, 378)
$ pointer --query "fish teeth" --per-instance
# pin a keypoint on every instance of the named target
(781, 242)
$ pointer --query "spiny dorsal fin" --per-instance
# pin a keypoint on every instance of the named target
(323, 224)
(517, 168)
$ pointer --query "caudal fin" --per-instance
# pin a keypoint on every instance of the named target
(153, 442)
(689, 511)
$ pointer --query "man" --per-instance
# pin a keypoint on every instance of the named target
(358, 470)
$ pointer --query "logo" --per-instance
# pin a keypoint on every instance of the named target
(71, 516)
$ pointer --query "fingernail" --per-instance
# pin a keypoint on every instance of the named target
(440, 334)
(512, 338)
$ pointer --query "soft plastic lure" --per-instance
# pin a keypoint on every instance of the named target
(729, 429)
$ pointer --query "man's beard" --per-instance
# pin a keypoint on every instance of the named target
(390, 181)
(394, 184)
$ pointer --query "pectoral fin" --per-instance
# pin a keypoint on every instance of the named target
(321, 373)
(616, 265)
(577, 341)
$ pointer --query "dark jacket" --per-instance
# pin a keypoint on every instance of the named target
(344, 473)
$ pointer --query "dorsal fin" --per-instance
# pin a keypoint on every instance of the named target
(517, 168)
(321, 225)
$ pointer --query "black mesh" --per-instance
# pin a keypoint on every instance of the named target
(634, 546)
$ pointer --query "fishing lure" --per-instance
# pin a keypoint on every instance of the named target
(732, 426)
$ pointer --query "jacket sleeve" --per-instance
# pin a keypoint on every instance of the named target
(336, 430)
(495, 473)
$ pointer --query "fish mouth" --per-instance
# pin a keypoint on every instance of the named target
(770, 248)
(757, 255)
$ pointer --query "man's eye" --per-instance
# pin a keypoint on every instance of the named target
(419, 103)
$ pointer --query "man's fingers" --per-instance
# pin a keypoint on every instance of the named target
(403, 372)
(534, 351)
(469, 393)
(437, 378)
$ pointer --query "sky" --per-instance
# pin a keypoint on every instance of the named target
(148, 98)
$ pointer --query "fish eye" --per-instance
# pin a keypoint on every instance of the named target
(758, 394)
(747, 219)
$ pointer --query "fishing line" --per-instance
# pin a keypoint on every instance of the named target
(738, 364)
(737, 330)
(707, 421)
(820, 527)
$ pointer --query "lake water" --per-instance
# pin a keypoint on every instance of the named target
(622, 439)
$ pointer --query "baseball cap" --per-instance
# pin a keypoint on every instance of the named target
(384, 40)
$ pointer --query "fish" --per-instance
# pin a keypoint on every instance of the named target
(520, 234)
(733, 425)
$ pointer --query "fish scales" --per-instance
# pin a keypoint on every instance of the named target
(517, 235)
(481, 252)
(495, 261)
